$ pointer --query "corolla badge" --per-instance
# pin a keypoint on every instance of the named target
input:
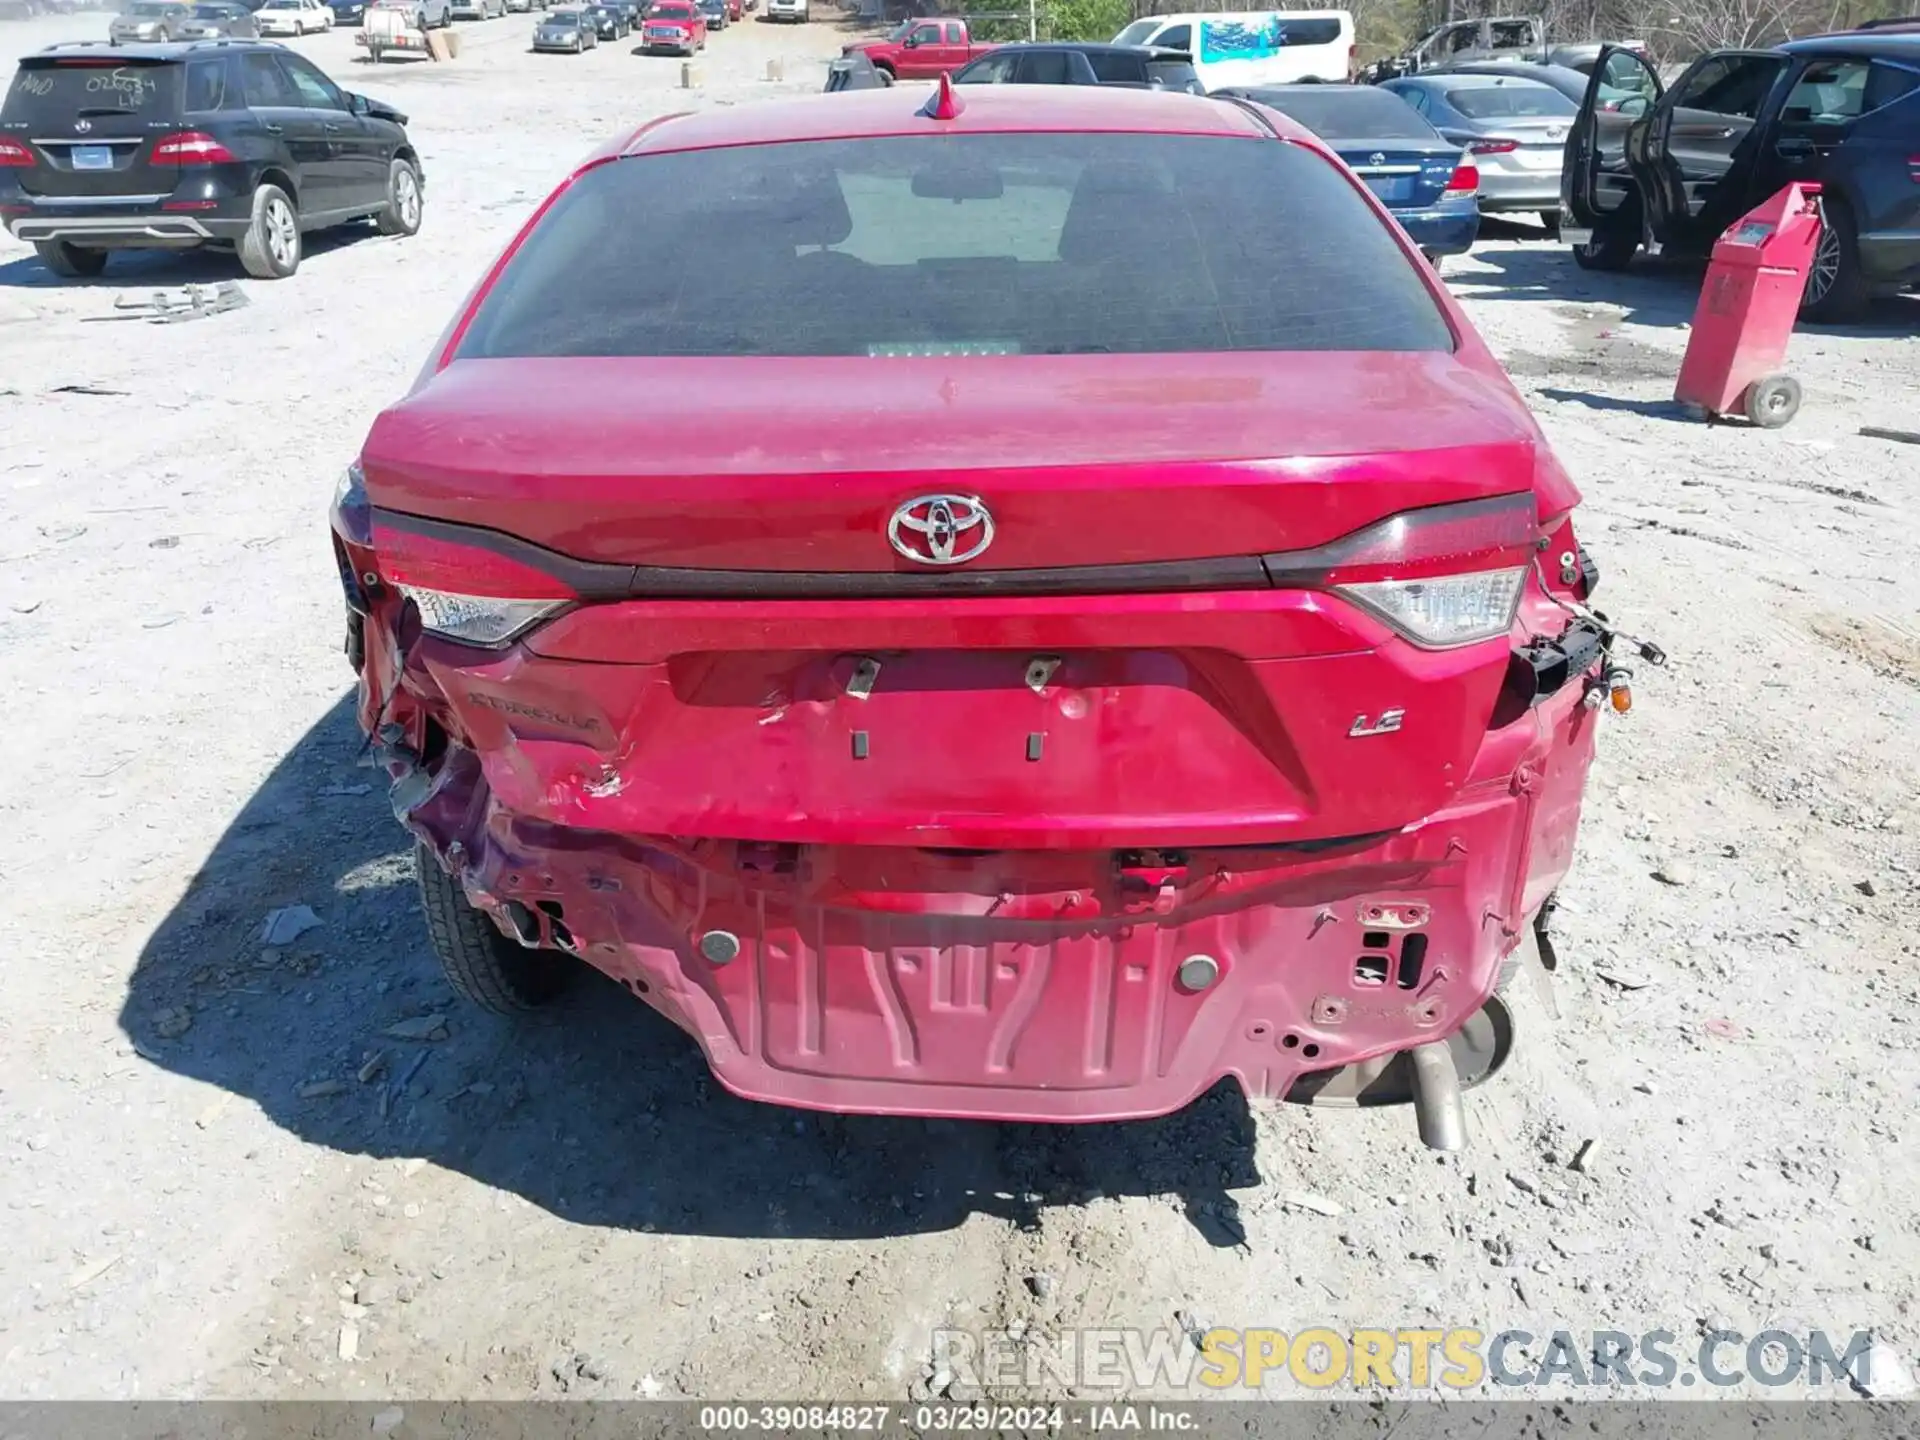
(941, 529)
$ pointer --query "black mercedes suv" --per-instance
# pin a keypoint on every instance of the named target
(224, 142)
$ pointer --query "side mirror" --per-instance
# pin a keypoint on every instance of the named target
(358, 104)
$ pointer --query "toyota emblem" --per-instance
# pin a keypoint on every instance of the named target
(941, 529)
(81, 127)
(1378, 157)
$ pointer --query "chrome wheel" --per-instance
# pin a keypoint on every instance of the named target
(283, 233)
(1826, 267)
(406, 198)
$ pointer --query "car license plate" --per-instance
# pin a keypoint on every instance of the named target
(92, 157)
(1392, 189)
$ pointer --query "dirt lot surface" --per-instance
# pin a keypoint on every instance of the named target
(203, 1196)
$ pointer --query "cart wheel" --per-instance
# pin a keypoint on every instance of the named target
(1773, 401)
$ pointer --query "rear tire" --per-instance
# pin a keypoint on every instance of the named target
(482, 965)
(405, 205)
(70, 262)
(270, 250)
(1847, 293)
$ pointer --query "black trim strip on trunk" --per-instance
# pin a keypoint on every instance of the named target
(604, 580)
(601, 580)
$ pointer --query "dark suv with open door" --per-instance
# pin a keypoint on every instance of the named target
(224, 142)
(1672, 168)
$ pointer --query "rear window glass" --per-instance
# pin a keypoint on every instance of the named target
(966, 244)
(1364, 113)
(1137, 32)
(1117, 68)
(1172, 74)
(70, 89)
(1495, 102)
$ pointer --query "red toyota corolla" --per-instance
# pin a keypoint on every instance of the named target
(1056, 607)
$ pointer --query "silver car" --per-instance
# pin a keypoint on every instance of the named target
(148, 21)
(212, 19)
(1514, 130)
(565, 30)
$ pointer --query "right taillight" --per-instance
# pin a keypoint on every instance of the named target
(1444, 576)
(1464, 180)
(13, 153)
(191, 147)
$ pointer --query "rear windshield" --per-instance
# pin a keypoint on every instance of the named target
(1172, 74)
(69, 89)
(1495, 102)
(1363, 113)
(965, 244)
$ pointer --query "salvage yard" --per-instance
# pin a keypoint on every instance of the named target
(298, 1169)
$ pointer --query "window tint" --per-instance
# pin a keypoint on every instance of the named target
(314, 90)
(206, 85)
(1364, 112)
(1045, 67)
(987, 243)
(263, 82)
(1413, 95)
(956, 34)
(57, 92)
(1827, 92)
(1180, 37)
(993, 70)
(1511, 34)
(1489, 102)
(1728, 85)
(1173, 75)
(1888, 83)
(1112, 67)
(1308, 32)
(1467, 37)
(925, 35)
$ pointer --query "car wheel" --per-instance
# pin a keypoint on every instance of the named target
(404, 203)
(270, 250)
(1614, 242)
(482, 965)
(70, 262)
(886, 75)
(1836, 290)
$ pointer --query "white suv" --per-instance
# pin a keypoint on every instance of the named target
(789, 10)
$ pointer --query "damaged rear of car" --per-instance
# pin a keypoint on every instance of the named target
(988, 658)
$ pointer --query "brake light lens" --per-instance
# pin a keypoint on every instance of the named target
(1451, 610)
(1465, 180)
(1443, 576)
(485, 620)
(13, 153)
(191, 147)
(1493, 147)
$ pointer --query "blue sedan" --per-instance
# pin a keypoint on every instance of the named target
(1418, 174)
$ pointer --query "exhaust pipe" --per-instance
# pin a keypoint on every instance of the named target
(1436, 1097)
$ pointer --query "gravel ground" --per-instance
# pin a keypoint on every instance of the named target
(204, 1197)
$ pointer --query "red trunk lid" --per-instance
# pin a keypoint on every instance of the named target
(796, 465)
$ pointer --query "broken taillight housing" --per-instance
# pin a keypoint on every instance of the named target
(1442, 576)
(485, 620)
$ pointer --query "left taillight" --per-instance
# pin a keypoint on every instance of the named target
(1465, 180)
(14, 154)
(191, 147)
(1493, 147)
(465, 592)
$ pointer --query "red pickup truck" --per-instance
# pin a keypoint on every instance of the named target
(920, 49)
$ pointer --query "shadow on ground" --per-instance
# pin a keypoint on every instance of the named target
(1652, 293)
(151, 269)
(596, 1110)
